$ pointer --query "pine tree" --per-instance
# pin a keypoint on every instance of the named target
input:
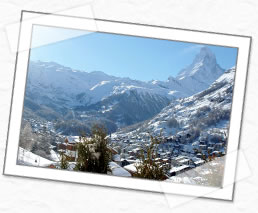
(27, 138)
(64, 161)
(93, 152)
(147, 167)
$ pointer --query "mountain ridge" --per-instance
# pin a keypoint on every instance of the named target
(64, 90)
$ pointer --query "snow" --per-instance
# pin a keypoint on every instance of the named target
(179, 168)
(118, 170)
(28, 158)
(54, 155)
(131, 167)
(99, 84)
(172, 92)
(199, 162)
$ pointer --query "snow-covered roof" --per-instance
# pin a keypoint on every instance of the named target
(199, 162)
(118, 170)
(178, 158)
(179, 168)
(184, 160)
(130, 167)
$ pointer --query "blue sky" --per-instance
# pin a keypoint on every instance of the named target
(123, 56)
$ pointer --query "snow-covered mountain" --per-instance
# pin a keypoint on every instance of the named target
(202, 112)
(51, 82)
(58, 92)
(54, 91)
(201, 73)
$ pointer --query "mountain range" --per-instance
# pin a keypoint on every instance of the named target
(55, 92)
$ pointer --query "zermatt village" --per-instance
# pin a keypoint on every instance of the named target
(174, 130)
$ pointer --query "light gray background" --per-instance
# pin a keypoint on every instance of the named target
(225, 16)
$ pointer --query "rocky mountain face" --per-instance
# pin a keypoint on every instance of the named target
(201, 73)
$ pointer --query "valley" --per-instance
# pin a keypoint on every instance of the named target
(188, 115)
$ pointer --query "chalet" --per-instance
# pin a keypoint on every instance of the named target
(170, 139)
(218, 146)
(68, 148)
(131, 158)
(199, 155)
(203, 147)
(216, 153)
(210, 149)
(163, 155)
(136, 151)
(180, 160)
(61, 146)
(175, 152)
(168, 154)
(202, 141)
(198, 161)
(184, 161)
(211, 144)
(131, 153)
(177, 146)
(157, 160)
(166, 165)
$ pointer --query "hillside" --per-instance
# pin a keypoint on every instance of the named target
(199, 114)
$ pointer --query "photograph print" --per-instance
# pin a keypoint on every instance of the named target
(128, 106)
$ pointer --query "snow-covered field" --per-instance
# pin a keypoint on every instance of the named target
(29, 159)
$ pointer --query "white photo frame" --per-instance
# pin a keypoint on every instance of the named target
(241, 42)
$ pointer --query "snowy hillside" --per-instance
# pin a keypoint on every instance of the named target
(28, 158)
(126, 108)
(209, 109)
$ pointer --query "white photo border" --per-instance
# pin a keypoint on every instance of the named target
(243, 44)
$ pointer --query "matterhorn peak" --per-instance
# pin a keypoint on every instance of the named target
(206, 56)
(203, 71)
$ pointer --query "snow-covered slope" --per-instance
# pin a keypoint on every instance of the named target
(126, 108)
(205, 110)
(62, 85)
(28, 158)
